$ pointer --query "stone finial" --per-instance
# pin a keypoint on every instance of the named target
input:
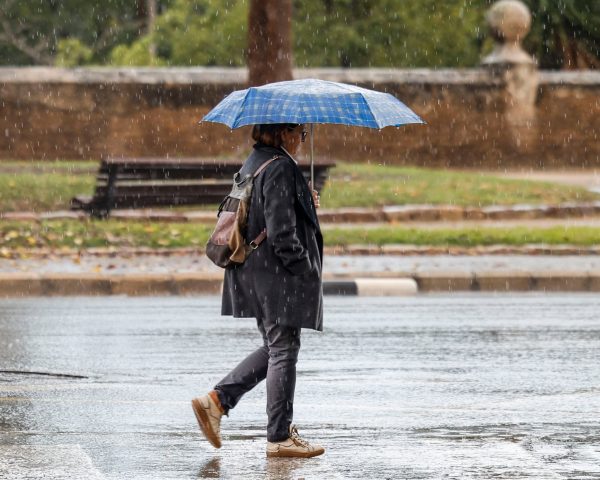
(509, 21)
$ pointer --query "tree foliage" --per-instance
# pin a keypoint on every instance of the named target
(387, 33)
(192, 32)
(347, 33)
(565, 33)
(37, 32)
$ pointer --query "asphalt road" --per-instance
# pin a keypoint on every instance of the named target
(460, 386)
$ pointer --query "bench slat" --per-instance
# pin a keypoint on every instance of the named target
(184, 174)
(147, 182)
(125, 184)
(166, 201)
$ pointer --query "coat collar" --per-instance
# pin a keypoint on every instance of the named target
(268, 150)
(302, 191)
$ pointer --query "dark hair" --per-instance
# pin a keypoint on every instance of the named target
(270, 133)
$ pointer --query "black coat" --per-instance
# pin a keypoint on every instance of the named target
(281, 279)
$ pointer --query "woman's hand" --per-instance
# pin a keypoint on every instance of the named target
(316, 196)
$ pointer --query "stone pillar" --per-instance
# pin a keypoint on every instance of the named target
(509, 22)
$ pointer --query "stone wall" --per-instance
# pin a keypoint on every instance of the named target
(88, 113)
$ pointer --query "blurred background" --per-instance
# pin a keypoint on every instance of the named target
(509, 90)
(565, 34)
(153, 68)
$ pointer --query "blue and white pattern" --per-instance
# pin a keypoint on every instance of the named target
(311, 101)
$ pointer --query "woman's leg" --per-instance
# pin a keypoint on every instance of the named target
(245, 376)
(284, 345)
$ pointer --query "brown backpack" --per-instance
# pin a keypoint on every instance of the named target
(227, 245)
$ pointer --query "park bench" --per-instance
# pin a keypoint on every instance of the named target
(160, 182)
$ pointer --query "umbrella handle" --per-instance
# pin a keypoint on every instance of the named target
(312, 159)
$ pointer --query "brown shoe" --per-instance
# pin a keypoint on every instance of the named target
(208, 412)
(294, 446)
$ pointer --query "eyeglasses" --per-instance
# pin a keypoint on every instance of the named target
(304, 133)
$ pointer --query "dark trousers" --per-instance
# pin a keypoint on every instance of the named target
(275, 361)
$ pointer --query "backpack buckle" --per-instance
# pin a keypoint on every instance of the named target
(253, 245)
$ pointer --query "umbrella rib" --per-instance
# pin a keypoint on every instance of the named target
(242, 105)
(371, 112)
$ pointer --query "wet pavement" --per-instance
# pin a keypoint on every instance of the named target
(426, 387)
(333, 264)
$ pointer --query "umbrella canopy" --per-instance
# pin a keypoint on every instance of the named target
(311, 101)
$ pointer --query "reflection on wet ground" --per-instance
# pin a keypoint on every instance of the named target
(461, 386)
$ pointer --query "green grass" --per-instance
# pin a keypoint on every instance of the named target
(97, 233)
(44, 186)
(48, 186)
(57, 234)
(50, 166)
(362, 185)
(464, 237)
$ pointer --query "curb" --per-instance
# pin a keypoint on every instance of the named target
(371, 287)
(402, 249)
(34, 285)
(386, 287)
(388, 249)
(515, 281)
(453, 213)
(386, 214)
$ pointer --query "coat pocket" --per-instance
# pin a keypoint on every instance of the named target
(298, 295)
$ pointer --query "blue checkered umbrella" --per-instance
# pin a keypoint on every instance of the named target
(311, 101)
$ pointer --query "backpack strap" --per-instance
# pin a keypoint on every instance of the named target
(258, 240)
(262, 235)
(264, 165)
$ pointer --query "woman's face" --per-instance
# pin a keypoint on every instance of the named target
(291, 139)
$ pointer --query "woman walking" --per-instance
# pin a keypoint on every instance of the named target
(279, 285)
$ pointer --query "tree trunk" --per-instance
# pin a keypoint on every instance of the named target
(146, 11)
(152, 7)
(269, 41)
